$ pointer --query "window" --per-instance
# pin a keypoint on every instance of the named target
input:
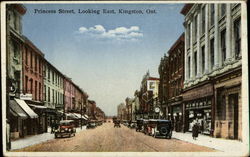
(212, 52)
(45, 96)
(237, 37)
(195, 29)
(40, 89)
(195, 63)
(31, 86)
(223, 10)
(35, 57)
(211, 14)
(26, 84)
(53, 77)
(203, 18)
(189, 69)
(15, 49)
(188, 36)
(223, 45)
(40, 66)
(31, 60)
(53, 96)
(26, 56)
(48, 73)
(35, 90)
(203, 59)
(48, 94)
(221, 107)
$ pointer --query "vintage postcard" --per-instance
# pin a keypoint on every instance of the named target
(126, 78)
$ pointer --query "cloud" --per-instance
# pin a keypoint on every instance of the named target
(120, 33)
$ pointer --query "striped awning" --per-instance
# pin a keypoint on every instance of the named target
(16, 110)
(26, 108)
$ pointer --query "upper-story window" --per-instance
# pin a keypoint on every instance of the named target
(48, 73)
(195, 29)
(212, 14)
(15, 49)
(26, 56)
(35, 57)
(222, 10)
(188, 36)
(203, 18)
(31, 60)
(189, 67)
(212, 52)
(203, 59)
(223, 45)
(53, 79)
(237, 37)
(195, 63)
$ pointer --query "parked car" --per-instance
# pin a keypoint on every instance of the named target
(163, 129)
(132, 124)
(91, 124)
(150, 126)
(117, 124)
(139, 124)
(66, 128)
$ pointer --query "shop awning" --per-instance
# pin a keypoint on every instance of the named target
(71, 116)
(77, 115)
(37, 106)
(16, 110)
(26, 108)
(86, 117)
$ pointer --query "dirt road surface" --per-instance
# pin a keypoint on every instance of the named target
(106, 138)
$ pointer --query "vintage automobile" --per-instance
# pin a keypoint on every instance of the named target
(66, 128)
(132, 124)
(163, 129)
(117, 123)
(139, 124)
(150, 126)
(91, 124)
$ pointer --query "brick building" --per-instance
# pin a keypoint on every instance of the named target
(33, 63)
(175, 83)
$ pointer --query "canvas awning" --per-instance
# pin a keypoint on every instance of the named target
(71, 116)
(26, 108)
(16, 110)
(85, 117)
(37, 106)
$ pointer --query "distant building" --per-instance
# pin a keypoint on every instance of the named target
(149, 96)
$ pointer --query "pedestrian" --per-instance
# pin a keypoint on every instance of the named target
(195, 129)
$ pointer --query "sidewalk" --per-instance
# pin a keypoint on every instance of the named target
(224, 145)
(35, 139)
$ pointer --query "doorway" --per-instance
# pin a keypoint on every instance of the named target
(234, 103)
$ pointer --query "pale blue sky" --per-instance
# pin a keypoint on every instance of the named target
(106, 55)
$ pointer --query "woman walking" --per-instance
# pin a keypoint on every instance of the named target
(195, 129)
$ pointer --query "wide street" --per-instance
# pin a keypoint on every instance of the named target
(106, 138)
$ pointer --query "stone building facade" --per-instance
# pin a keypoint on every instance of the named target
(212, 86)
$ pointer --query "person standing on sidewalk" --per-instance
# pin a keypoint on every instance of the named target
(195, 129)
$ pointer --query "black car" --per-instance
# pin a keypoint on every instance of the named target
(139, 124)
(117, 124)
(91, 124)
(163, 129)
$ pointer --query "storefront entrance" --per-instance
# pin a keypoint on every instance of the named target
(233, 106)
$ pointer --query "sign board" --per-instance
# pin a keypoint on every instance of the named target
(26, 96)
